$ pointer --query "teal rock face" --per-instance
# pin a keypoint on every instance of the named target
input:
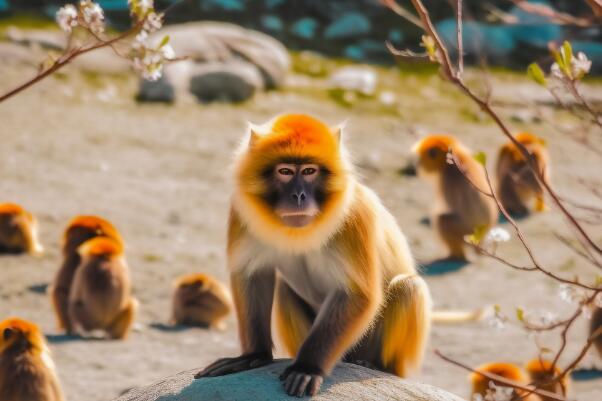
(350, 24)
(347, 382)
(305, 28)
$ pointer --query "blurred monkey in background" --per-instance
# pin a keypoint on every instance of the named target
(18, 231)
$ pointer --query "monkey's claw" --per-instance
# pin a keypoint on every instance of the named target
(298, 383)
(225, 366)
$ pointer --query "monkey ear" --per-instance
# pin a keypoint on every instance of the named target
(337, 131)
(7, 333)
(254, 137)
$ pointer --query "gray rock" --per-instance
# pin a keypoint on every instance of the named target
(347, 382)
(223, 42)
(159, 91)
(233, 81)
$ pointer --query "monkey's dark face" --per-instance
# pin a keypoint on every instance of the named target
(296, 192)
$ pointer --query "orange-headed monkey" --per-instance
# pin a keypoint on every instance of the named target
(516, 182)
(200, 299)
(18, 230)
(543, 376)
(100, 297)
(79, 230)
(306, 236)
(481, 385)
(27, 372)
(461, 204)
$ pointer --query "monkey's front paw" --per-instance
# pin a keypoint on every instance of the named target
(300, 380)
(226, 366)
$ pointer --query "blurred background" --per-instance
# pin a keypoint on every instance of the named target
(153, 157)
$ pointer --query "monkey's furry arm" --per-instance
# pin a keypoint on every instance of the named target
(253, 296)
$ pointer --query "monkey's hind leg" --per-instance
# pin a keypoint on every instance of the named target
(452, 232)
(293, 317)
(120, 327)
(406, 321)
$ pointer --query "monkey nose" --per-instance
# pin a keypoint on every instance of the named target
(299, 197)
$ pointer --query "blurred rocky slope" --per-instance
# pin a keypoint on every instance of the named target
(357, 29)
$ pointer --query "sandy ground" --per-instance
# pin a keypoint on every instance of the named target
(160, 173)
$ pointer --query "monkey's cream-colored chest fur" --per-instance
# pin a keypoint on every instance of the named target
(312, 275)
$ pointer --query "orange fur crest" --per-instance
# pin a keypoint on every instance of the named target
(525, 138)
(11, 208)
(192, 278)
(100, 246)
(442, 142)
(94, 223)
(502, 369)
(538, 366)
(21, 328)
(291, 137)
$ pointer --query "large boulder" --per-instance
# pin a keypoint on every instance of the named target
(347, 382)
(224, 62)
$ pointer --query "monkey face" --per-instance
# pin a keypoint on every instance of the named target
(295, 189)
(15, 333)
(432, 152)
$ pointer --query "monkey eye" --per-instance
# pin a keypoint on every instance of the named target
(8, 332)
(309, 171)
(432, 152)
(286, 171)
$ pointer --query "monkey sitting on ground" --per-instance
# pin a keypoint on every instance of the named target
(100, 297)
(541, 373)
(516, 182)
(79, 230)
(460, 208)
(27, 372)
(307, 237)
(481, 385)
(201, 300)
(18, 231)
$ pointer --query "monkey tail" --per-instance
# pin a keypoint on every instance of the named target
(460, 316)
(406, 324)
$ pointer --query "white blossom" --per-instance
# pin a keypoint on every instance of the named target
(580, 65)
(499, 393)
(498, 234)
(93, 16)
(556, 72)
(149, 61)
(66, 17)
(588, 311)
(545, 318)
(153, 22)
(571, 294)
(497, 321)
(140, 8)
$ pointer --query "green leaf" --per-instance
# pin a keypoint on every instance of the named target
(535, 72)
(164, 41)
(481, 157)
(478, 234)
(520, 314)
(567, 53)
(497, 308)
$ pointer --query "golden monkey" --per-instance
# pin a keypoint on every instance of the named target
(27, 372)
(460, 208)
(200, 299)
(18, 230)
(541, 373)
(100, 297)
(595, 329)
(481, 384)
(516, 182)
(79, 230)
(306, 237)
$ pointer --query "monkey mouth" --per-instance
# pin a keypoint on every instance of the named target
(298, 218)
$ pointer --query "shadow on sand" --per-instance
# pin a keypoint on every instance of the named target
(441, 266)
(171, 328)
(586, 374)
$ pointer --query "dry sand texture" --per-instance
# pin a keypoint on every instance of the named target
(76, 144)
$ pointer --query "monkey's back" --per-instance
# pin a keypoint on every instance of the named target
(100, 290)
(461, 198)
(27, 378)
